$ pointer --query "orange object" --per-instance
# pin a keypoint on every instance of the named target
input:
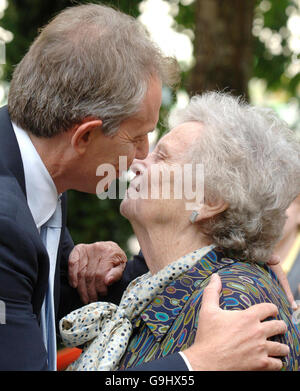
(66, 356)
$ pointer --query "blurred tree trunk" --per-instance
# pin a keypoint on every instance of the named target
(223, 46)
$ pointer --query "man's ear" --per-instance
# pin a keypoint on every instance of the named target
(84, 134)
(209, 210)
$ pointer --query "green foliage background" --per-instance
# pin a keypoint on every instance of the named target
(91, 219)
(267, 66)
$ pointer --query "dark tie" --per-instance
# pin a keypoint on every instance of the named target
(50, 235)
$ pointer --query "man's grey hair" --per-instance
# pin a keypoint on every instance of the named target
(251, 161)
(89, 61)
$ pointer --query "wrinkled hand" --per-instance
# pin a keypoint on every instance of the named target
(93, 267)
(235, 340)
(275, 265)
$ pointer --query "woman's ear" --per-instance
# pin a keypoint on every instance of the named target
(84, 134)
(209, 210)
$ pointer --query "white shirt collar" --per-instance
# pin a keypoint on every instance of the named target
(42, 196)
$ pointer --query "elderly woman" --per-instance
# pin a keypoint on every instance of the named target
(251, 175)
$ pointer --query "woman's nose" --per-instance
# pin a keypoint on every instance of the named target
(138, 166)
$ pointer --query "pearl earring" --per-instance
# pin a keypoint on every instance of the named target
(193, 216)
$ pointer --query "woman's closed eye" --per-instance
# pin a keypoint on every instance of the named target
(161, 153)
(158, 156)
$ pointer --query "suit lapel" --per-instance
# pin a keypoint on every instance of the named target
(9, 149)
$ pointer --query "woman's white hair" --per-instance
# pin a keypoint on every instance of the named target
(251, 161)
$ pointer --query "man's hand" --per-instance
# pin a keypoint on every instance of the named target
(275, 265)
(93, 267)
(235, 340)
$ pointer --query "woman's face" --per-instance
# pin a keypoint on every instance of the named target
(158, 191)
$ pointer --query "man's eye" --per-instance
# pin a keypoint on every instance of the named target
(140, 139)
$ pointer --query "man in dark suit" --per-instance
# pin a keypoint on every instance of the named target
(87, 92)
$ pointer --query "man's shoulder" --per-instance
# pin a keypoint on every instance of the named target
(15, 215)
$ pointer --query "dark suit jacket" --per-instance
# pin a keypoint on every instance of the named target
(24, 269)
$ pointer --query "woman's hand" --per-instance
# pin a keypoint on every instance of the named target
(93, 267)
(235, 340)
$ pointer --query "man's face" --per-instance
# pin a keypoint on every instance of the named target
(130, 141)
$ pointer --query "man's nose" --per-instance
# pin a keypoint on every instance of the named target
(142, 149)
